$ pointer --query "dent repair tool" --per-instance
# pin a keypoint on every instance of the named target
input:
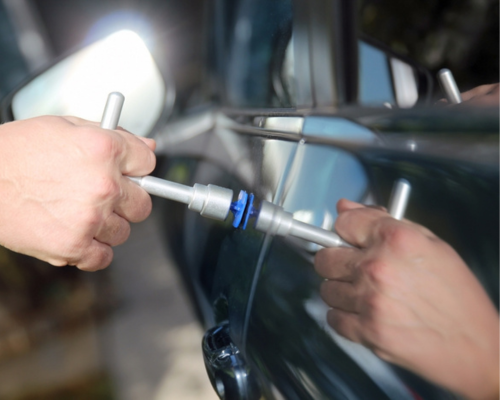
(449, 86)
(215, 202)
(210, 201)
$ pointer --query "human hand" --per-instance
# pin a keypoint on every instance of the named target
(409, 297)
(480, 96)
(63, 195)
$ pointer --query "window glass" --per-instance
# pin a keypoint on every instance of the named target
(461, 35)
(254, 42)
(321, 175)
(383, 80)
(375, 86)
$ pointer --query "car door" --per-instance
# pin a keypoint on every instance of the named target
(296, 129)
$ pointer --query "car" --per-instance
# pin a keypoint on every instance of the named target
(305, 104)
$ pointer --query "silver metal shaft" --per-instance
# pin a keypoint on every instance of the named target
(166, 189)
(449, 86)
(215, 202)
(112, 111)
(210, 201)
(274, 220)
(316, 235)
(399, 198)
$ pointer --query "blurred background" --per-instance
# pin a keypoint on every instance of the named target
(128, 332)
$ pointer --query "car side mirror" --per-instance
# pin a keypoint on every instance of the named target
(79, 84)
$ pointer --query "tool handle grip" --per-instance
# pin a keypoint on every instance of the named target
(112, 110)
(449, 86)
(399, 198)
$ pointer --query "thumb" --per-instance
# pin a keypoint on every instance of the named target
(151, 143)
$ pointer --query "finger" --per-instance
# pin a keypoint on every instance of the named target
(477, 91)
(345, 324)
(441, 103)
(137, 157)
(97, 256)
(114, 231)
(80, 121)
(487, 100)
(380, 208)
(339, 263)
(341, 295)
(345, 205)
(135, 203)
(151, 143)
(356, 225)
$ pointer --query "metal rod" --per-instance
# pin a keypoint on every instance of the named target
(316, 235)
(166, 189)
(213, 201)
(112, 111)
(449, 86)
(399, 198)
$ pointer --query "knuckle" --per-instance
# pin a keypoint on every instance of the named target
(124, 234)
(378, 272)
(399, 236)
(101, 145)
(107, 188)
(89, 220)
(143, 209)
(104, 260)
(96, 261)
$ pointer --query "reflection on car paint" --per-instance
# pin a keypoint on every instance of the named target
(378, 370)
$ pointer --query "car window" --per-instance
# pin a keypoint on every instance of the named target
(250, 47)
(375, 85)
(322, 175)
(384, 80)
(461, 35)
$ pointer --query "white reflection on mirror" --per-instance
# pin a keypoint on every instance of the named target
(79, 85)
(405, 83)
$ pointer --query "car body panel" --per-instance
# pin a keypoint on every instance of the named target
(266, 288)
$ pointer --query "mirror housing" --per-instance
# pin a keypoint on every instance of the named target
(79, 84)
